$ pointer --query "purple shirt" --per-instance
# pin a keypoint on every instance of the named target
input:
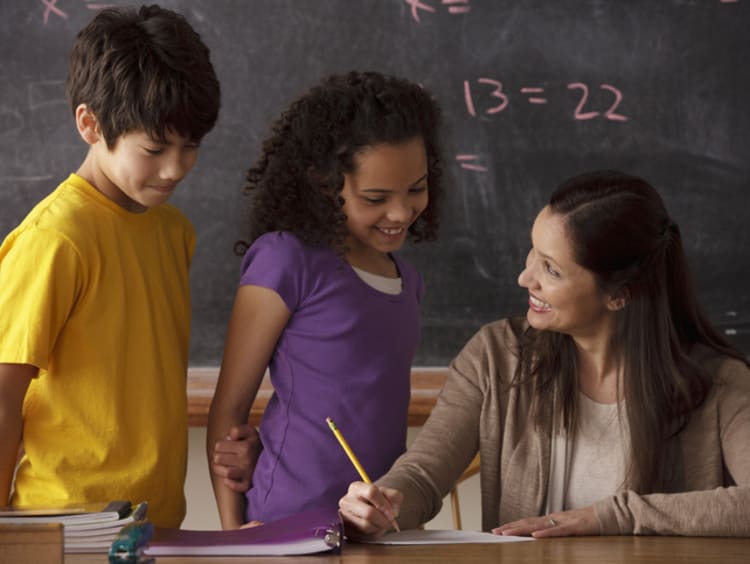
(345, 353)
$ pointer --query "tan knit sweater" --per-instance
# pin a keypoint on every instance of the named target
(708, 477)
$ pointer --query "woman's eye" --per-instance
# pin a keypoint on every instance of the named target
(551, 270)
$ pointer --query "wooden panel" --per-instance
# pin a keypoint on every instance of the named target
(426, 384)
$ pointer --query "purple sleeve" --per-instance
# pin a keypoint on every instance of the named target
(275, 261)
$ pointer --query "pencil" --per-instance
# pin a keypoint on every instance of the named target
(354, 460)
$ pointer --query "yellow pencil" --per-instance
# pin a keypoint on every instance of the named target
(353, 458)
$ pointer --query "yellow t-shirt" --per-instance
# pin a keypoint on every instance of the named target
(98, 298)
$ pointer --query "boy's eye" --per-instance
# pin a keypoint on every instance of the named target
(151, 151)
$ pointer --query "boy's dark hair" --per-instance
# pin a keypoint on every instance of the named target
(144, 68)
(296, 184)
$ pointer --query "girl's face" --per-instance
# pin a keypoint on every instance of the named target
(384, 195)
(563, 295)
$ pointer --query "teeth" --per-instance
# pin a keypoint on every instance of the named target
(538, 303)
(394, 231)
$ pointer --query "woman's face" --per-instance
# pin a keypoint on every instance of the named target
(563, 295)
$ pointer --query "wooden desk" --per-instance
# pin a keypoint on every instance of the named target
(583, 550)
(426, 384)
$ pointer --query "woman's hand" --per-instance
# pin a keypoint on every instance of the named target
(576, 522)
(368, 511)
(235, 456)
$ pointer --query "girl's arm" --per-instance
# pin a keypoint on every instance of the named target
(14, 381)
(258, 318)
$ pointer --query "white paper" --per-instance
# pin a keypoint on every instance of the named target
(417, 536)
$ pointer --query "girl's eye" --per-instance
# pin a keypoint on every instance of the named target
(375, 201)
(418, 189)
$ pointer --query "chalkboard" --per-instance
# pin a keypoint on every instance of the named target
(534, 91)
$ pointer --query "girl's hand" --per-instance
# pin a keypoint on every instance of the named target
(367, 510)
(576, 522)
(235, 456)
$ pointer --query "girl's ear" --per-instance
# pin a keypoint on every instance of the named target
(87, 125)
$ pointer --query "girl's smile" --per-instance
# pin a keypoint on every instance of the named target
(383, 197)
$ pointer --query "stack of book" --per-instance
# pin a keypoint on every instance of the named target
(86, 528)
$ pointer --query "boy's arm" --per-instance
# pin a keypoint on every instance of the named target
(14, 381)
(259, 316)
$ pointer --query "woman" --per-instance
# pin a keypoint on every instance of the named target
(613, 408)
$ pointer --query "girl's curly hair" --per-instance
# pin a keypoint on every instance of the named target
(296, 183)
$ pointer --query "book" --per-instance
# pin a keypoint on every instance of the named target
(31, 543)
(79, 513)
(86, 528)
(309, 532)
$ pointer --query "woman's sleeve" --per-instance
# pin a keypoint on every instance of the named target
(721, 511)
(447, 442)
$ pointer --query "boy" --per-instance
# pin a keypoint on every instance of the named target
(94, 294)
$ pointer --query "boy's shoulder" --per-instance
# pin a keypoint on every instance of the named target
(75, 205)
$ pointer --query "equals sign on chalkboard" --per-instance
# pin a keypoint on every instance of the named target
(98, 5)
(468, 162)
(457, 6)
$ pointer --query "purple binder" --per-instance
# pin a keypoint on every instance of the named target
(309, 532)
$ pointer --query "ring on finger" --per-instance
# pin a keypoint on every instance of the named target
(552, 522)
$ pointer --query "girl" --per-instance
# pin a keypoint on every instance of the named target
(349, 172)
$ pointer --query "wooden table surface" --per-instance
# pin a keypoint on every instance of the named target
(582, 550)
(425, 387)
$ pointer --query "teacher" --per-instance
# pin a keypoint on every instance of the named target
(613, 408)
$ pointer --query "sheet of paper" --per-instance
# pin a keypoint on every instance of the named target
(417, 536)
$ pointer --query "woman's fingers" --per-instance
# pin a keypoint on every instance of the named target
(581, 521)
(368, 509)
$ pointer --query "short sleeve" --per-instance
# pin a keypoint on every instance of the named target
(40, 281)
(276, 261)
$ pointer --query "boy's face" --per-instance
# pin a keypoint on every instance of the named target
(140, 172)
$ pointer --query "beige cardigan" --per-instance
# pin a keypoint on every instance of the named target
(708, 481)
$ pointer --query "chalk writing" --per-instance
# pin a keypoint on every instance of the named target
(469, 163)
(51, 8)
(454, 7)
(608, 114)
(534, 99)
(497, 92)
(496, 100)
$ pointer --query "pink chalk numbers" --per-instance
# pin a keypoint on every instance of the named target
(494, 99)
